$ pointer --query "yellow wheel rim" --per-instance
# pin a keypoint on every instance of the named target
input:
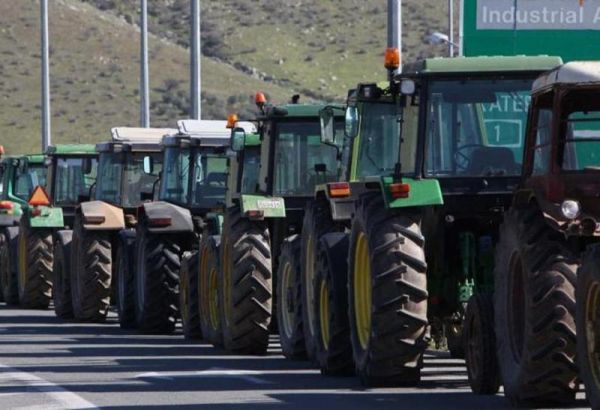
(592, 328)
(324, 313)
(287, 311)
(226, 283)
(309, 277)
(22, 260)
(213, 298)
(362, 291)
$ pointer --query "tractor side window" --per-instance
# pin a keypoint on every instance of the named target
(408, 149)
(210, 180)
(175, 178)
(543, 142)
(73, 180)
(26, 181)
(108, 188)
(251, 169)
(2, 182)
(136, 181)
(582, 141)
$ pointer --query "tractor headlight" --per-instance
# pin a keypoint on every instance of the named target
(570, 209)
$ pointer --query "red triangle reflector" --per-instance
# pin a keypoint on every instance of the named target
(39, 197)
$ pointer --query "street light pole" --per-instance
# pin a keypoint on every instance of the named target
(144, 80)
(195, 63)
(46, 140)
(451, 27)
(395, 27)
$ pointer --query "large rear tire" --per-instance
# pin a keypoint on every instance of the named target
(317, 222)
(61, 289)
(8, 266)
(480, 345)
(333, 347)
(125, 292)
(289, 294)
(36, 257)
(588, 324)
(534, 306)
(208, 289)
(387, 294)
(91, 274)
(188, 296)
(246, 286)
(158, 260)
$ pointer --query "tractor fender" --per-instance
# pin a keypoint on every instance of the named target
(105, 216)
(180, 218)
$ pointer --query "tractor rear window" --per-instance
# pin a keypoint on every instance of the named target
(73, 178)
(476, 127)
(26, 181)
(298, 150)
(582, 142)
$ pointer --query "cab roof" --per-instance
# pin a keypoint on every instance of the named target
(204, 132)
(581, 73)
(482, 64)
(293, 110)
(71, 149)
(132, 134)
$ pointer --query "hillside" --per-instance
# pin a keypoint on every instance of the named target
(318, 48)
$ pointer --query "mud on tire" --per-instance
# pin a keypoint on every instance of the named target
(36, 257)
(208, 289)
(91, 273)
(246, 286)
(387, 267)
(534, 306)
(189, 306)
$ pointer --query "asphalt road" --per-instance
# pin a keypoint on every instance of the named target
(49, 364)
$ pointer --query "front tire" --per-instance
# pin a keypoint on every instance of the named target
(125, 292)
(387, 294)
(208, 289)
(188, 296)
(61, 290)
(8, 266)
(36, 257)
(534, 306)
(246, 286)
(588, 324)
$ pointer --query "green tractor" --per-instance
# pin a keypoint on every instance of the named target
(19, 175)
(189, 209)
(430, 159)
(272, 177)
(104, 228)
(547, 278)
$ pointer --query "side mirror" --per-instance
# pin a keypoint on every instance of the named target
(327, 131)
(408, 87)
(238, 139)
(148, 165)
(86, 166)
(351, 128)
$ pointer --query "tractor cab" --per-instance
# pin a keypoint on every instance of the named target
(562, 161)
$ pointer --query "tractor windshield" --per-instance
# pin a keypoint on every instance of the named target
(582, 141)
(298, 151)
(476, 128)
(25, 181)
(210, 180)
(73, 178)
(379, 139)
(122, 180)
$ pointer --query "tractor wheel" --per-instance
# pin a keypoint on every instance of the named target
(188, 296)
(157, 282)
(333, 347)
(289, 312)
(317, 222)
(8, 266)
(588, 324)
(534, 307)
(2, 240)
(125, 291)
(35, 266)
(61, 287)
(91, 273)
(480, 345)
(246, 287)
(208, 289)
(387, 294)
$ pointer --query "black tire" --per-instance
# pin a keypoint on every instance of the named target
(2, 240)
(534, 306)
(36, 257)
(391, 246)
(208, 290)
(189, 306)
(480, 345)
(91, 273)
(125, 289)
(61, 289)
(158, 261)
(8, 266)
(455, 339)
(289, 294)
(333, 347)
(246, 287)
(588, 324)
(317, 222)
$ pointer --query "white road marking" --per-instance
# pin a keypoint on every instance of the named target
(64, 398)
(250, 376)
